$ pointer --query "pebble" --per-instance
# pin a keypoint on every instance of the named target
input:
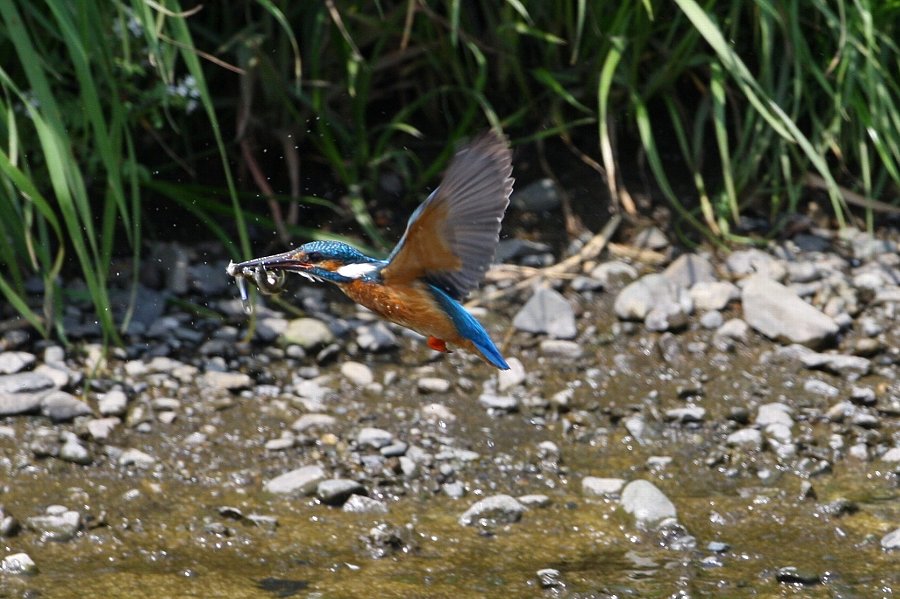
(493, 510)
(610, 272)
(643, 500)
(436, 412)
(841, 364)
(774, 413)
(746, 438)
(891, 455)
(313, 421)
(227, 381)
(360, 504)
(73, 451)
(376, 337)
(734, 328)
(686, 414)
(113, 403)
(100, 428)
(712, 320)
(541, 196)
(60, 406)
(534, 501)
(547, 312)
(755, 262)
(57, 525)
(779, 313)
(336, 491)
(652, 293)
(454, 490)
(24, 382)
(603, 487)
(308, 333)
(357, 373)
(820, 388)
(561, 348)
(12, 362)
(550, 578)
(652, 238)
(374, 437)
(792, 575)
(137, 458)
(515, 376)
(689, 269)
(502, 403)
(302, 481)
(891, 541)
(18, 564)
(431, 384)
(14, 404)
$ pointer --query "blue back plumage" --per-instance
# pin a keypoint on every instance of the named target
(336, 250)
(469, 328)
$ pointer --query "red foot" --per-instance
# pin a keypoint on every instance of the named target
(438, 345)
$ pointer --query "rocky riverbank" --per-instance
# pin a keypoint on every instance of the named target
(720, 426)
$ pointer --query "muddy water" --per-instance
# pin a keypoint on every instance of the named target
(162, 532)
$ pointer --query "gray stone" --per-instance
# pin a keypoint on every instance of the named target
(270, 328)
(227, 381)
(610, 272)
(59, 527)
(302, 481)
(113, 403)
(357, 373)
(432, 384)
(818, 387)
(436, 412)
(314, 421)
(24, 382)
(734, 328)
(515, 376)
(374, 437)
(101, 428)
(15, 361)
(686, 414)
(643, 500)
(13, 404)
(689, 269)
(59, 374)
(503, 403)
(376, 337)
(73, 451)
(497, 509)
(778, 313)
(842, 364)
(652, 238)
(454, 490)
(308, 333)
(891, 455)
(360, 504)
(561, 348)
(540, 196)
(136, 457)
(60, 406)
(336, 491)
(281, 443)
(395, 449)
(746, 438)
(534, 501)
(604, 487)
(547, 312)
(18, 564)
(652, 292)
(714, 295)
(774, 413)
(755, 262)
(711, 320)
(891, 541)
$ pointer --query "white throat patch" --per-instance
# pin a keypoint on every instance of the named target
(356, 271)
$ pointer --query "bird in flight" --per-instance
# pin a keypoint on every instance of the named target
(448, 245)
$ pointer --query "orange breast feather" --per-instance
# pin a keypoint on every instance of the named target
(411, 306)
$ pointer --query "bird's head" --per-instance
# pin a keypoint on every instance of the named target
(331, 261)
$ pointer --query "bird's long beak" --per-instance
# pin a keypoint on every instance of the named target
(290, 260)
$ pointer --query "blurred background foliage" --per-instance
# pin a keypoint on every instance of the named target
(124, 121)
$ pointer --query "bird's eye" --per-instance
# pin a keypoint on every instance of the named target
(314, 257)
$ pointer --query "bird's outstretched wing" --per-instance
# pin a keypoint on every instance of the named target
(451, 238)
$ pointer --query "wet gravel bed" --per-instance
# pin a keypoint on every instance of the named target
(722, 426)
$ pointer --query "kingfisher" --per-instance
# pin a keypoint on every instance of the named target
(448, 245)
